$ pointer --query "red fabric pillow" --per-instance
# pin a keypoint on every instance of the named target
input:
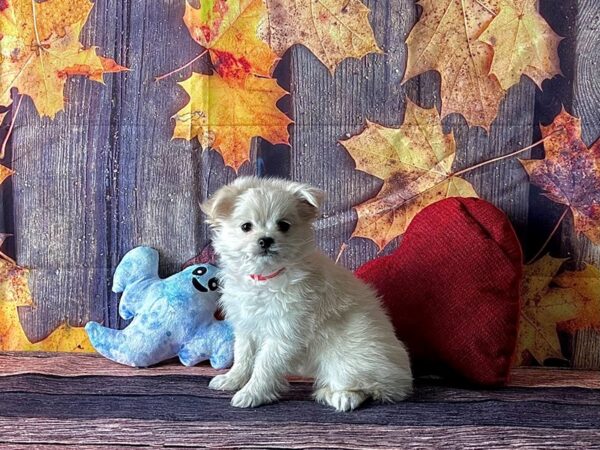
(452, 290)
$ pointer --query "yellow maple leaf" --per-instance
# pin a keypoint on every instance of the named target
(415, 163)
(568, 301)
(225, 114)
(229, 30)
(584, 288)
(332, 29)
(5, 172)
(446, 39)
(14, 292)
(38, 44)
(542, 308)
(523, 43)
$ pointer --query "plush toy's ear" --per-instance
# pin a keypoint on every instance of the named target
(311, 199)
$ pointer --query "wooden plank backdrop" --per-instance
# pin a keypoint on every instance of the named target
(105, 176)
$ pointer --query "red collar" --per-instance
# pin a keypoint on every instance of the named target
(259, 277)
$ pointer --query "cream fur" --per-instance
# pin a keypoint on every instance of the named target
(315, 319)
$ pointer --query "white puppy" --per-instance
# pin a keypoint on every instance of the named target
(293, 310)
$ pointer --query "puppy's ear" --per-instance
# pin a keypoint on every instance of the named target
(220, 205)
(311, 200)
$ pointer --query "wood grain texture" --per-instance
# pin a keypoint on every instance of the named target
(327, 108)
(43, 433)
(60, 205)
(196, 386)
(52, 401)
(67, 365)
(105, 176)
(586, 101)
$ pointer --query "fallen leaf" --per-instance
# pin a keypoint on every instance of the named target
(332, 29)
(523, 43)
(570, 173)
(584, 287)
(225, 114)
(554, 301)
(14, 292)
(446, 39)
(5, 172)
(415, 163)
(38, 45)
(229, 30)
(543, 307)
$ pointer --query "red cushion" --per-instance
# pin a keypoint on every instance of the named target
(452, 290)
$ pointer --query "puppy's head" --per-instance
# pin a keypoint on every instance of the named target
(261, 223)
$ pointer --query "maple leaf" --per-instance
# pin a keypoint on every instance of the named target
(415, 163)
(446, 39)
(229, 30)
(332, 29)
(523, 43)
(552, 302)
(542, 308)
(5, 172)
(570, 173)
(14, 292)
(584, 288)
(38, 45)
(225, 114)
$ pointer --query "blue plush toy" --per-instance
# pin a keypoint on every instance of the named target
(171, 317)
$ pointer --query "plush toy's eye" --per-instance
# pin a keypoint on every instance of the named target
(246, 227)
(283, 226)
(213, 284)
(199, 271)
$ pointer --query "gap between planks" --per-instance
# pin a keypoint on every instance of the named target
(77, 365)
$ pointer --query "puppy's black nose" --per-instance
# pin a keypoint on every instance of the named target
(265, 242)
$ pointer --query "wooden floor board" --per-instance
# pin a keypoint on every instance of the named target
(55, 401)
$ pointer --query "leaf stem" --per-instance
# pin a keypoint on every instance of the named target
(547, 241)
(182, 67)
(343, 248)
(500, 158)
(12, 124)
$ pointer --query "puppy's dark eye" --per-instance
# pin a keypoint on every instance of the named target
(246, 227)
(283, 226)
(213, 284)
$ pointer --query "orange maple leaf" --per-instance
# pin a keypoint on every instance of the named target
(332, 29)
(14, 292)
(415, 163)
(523, 43)
(39, 44)
(229, 31)
(225, 114)
(552, 302)
(570, 173)
(446, 39)
(5, 172)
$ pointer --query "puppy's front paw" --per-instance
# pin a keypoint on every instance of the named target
(346, 400)
(248, 399)
(226, 382)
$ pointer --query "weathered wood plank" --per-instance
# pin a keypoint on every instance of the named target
(586, 104)
(67, 365)
(59, 196)
(327, 108)
(197, 387)
(134, 433)
(562, 415)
